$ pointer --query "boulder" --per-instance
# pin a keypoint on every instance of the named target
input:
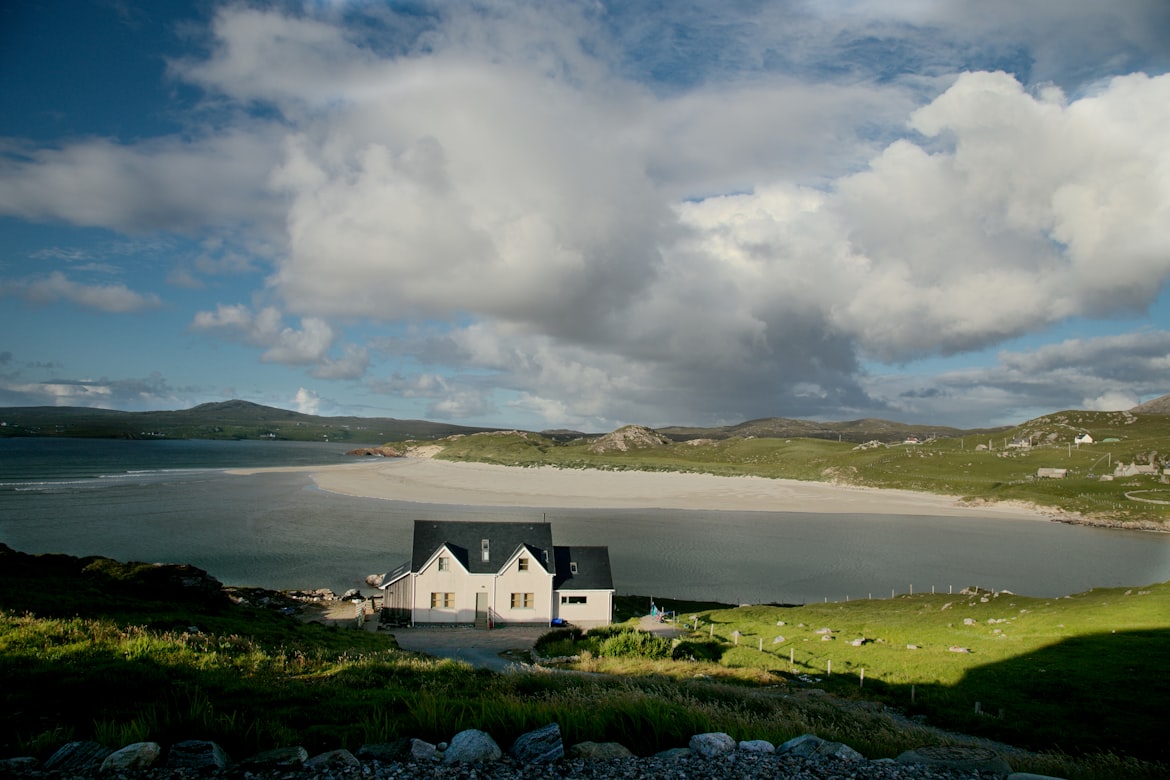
(959, 757)
(757, 746)
(197, 755)
(810, 745)
(278, 758)
(472, 746)
(334, 759)
(599, 751)
(77, 758)
(804, 745)
(386, 752)
(839, 750)
(140, 755)
(538, 746)
(712, 744)
(421, 750)
(674, 754)
(352, 593)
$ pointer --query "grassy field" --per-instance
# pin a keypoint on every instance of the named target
(90, 648)
(1083, 673)
(972, 467)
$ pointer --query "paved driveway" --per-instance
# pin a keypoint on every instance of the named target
(476, 647)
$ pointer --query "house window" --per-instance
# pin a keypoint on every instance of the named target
(444, 563)
(574, 599)
(523, 564)
(485, 550)
(573, 567)
(442, 600)
(523, 600)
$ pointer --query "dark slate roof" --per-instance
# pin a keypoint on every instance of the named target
(592, 568)
(463, 538)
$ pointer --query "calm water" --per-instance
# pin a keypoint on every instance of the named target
(171, 501)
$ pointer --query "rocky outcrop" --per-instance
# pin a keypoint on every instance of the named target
(631, 437)
(375, 452)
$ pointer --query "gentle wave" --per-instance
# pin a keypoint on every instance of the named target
(103, 481)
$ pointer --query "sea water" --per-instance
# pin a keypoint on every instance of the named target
(175, 502)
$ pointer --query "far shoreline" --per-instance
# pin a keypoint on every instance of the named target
(426, 480)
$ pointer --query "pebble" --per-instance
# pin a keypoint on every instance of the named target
(741, 765)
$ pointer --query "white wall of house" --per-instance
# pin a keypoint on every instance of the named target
(585, 608)
(533, 587)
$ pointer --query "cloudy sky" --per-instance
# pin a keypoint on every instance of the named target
(586, 214)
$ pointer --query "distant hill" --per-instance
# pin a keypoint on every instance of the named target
(1157, 406)
(224, 420)
(857, 431)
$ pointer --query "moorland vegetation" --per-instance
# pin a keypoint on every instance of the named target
(975, 467)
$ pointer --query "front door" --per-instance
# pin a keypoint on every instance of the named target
(481, 609)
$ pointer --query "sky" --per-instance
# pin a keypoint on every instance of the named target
(587, 214)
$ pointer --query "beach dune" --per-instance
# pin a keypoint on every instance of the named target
(429, 481)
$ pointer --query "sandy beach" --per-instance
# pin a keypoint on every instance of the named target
(427, 481)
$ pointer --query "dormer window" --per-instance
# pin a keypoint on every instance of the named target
(485, 551)
(523, 564)
(572, 567)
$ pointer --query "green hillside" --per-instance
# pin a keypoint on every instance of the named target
(132, 652)
(1003, 466)
(226, 420)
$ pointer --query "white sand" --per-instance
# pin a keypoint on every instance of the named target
(427, 481)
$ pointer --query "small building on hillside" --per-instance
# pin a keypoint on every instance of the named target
(1045, 473)
(1082, 438)
(497, 574)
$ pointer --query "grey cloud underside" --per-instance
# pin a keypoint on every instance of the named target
(622, 214)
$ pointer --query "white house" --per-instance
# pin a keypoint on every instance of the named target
(1082, 438)
(497, 574)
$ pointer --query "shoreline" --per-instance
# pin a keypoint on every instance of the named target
(428, 481)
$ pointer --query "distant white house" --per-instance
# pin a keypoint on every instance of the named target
(496, 574)
(1045, 473)
(1134, 469)
(1082, 438)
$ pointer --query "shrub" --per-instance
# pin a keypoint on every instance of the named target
(560, 638)
(634, 643)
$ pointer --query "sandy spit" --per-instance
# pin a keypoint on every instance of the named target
(429, 481)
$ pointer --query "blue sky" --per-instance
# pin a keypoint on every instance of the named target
(546, 215)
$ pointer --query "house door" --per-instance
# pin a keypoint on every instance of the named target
(481, 609)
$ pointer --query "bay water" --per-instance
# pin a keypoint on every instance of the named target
(176, 502)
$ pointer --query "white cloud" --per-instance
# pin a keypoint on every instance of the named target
(56, 287)
(169, 184)
(307, 401)
(304, 346)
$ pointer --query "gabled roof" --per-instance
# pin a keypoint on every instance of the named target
(465, 538)
(592, 568)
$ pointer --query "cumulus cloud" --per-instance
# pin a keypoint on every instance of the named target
(307, 401)
(306, 345)
(109, 298)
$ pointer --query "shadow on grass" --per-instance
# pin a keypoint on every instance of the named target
(1099, 693)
